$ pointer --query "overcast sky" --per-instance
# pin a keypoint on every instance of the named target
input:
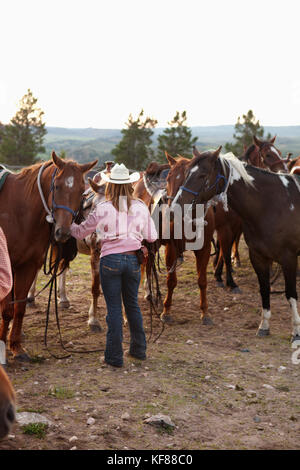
(92, 62)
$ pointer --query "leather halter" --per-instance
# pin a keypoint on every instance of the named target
(50, 213)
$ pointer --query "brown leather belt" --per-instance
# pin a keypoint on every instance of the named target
(129, 253)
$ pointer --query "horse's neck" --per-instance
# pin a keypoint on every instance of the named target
(243, 198)
(35, 204)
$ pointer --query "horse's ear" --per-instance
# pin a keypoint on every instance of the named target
(87, 166)
(217, 152)
(57, 161)
(196, 152)
(95, 187)
(97, 177)
(170, 159)
(257, 141)
(273, 140)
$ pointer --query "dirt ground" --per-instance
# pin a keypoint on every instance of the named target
(221, 385)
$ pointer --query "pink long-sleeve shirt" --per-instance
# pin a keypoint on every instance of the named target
(119, 231)
(5, 268)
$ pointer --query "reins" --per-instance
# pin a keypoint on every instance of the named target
(53, 270)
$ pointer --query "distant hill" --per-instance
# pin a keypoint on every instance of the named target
(88, 144)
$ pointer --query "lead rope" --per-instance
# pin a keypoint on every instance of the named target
(152, 278)
(53, 269)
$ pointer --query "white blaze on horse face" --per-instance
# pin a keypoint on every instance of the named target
(292, 207)
(275, 151)
(295, 321)
(195, 168)
(69, 182)
(284, 180)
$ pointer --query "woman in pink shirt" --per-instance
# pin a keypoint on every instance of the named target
(121, 223)
(5, 268)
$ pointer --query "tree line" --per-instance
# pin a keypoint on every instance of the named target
(21, 141)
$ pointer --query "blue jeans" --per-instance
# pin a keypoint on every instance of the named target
(120, 276)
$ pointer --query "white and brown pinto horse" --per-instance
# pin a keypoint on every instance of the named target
(271, 231)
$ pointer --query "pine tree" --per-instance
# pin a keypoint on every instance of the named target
(176, 139)
(134, 149)
(244, 132)
(22, 139)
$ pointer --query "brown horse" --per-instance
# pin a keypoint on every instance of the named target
(7, 404)
(227, 224)
(294, 166)
(174, 248)
(272, 232)
(94, 194)
(264, 154)
(56, 188)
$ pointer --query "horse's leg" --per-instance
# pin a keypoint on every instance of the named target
(226, 239)
(229, 278)
(202, 258)
(219, 269)
(261, 266)
(31, 293)
(290, 272)
(62, 294)
(7, 311)
(93, 321)
(24, 277)
(217, 254)
(236, 256)
(170, 257)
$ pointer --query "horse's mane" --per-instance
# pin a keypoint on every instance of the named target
(238, 165)
(29, 175)
(248, 153)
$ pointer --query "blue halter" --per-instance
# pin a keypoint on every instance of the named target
(216, 183)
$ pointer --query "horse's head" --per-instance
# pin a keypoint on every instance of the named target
(7, 404)
(98, 186)
(270, 155)
(201, 180)
(175, 176)
(67, 187)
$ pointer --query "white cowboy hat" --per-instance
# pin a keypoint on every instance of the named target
(120, 175)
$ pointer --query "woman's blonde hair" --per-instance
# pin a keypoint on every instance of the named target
(113, 193)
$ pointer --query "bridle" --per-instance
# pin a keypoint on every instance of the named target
(219, 196)
(50, 212)
(275, 163)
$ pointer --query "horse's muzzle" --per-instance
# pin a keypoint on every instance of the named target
(7, 418)
(61, 235)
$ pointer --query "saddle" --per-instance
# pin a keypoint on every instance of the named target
(155, 180)
(4, 172)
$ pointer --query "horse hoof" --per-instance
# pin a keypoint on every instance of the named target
(166, 318)
(95, 328)
(22, 357)
(236, 290)
(207, 321)
(295, 342)
(220, 284)
(261, 333)
(64, 304)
